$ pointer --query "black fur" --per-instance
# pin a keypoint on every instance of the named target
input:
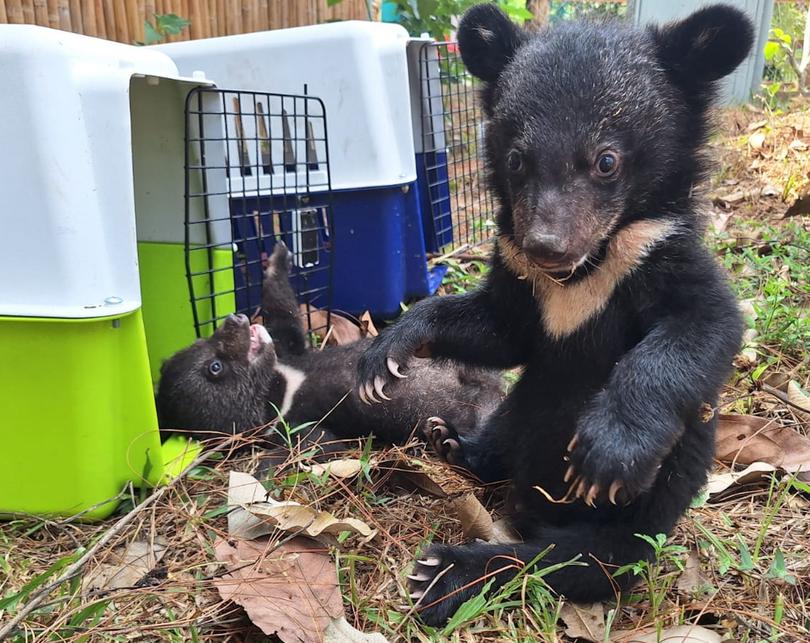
(247, 393)
(630, 381)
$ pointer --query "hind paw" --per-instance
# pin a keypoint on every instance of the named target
(444, 439)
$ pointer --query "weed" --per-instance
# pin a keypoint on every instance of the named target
(656, 574)
(771, 267)
(463, 276)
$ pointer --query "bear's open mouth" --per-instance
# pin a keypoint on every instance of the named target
(259, 338)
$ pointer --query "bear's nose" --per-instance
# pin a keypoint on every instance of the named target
(545, 248)
(240, 319)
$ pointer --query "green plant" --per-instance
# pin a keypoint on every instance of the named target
(463, 275)
(783, 53)
(570, 10)
(771, 267)
(162, 26)
(656, 573)
(527, 591)
(438, 17)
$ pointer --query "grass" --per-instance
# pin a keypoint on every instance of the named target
(771, 269)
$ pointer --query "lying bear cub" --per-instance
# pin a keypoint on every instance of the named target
(600, 286)
(240, 378)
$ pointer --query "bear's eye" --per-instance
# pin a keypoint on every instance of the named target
(215, 367)
(514, 161)
(607, 163)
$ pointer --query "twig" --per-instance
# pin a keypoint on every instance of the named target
(74, 569)
(794, 65)
(767, 388)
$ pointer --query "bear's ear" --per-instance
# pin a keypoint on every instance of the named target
(487, 39)
(705, 46)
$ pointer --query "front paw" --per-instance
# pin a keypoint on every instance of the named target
(609, 460)
(383, 362)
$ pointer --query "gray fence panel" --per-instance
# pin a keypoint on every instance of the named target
(746, 80)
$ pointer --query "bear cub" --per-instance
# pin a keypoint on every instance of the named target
(244, 376)
(601, 287)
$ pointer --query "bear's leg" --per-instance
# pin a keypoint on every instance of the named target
(577, 562)
(280, 306)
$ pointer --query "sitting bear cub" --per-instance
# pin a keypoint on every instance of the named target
(240, 378)
(600, 286)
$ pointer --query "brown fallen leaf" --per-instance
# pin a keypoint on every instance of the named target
(800, 401)
(776, 379)
(411, 477)
(691, 579)
(475, 519)
(341, 330)
(586, 621)
(476, 522)
(754, 472)
(719, 219)
(367, 326)
(745, 439)
(266, 514)
(289, 590)
(342, 468)
(339, 631)
(126, 565)
(679, 634)
(756, 140)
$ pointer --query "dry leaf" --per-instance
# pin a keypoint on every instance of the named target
(745, 439)
(754, 472)
(246, 492)
(748, 309)
(756, 140)
(719, 219)
(339, 631)
(341, 330)
(126, 566)
(409, 476)
(475, 519)
(244, 489)
(734, 197)
(757, 125)
(343, 468)
(290, 590)
(585, 621)
(691, 580)
(367, 326)
(291, 516)
(477, 523)
(800, 400)
(777, 380)
(679, 634)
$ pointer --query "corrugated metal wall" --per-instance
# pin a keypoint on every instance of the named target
(746, 80)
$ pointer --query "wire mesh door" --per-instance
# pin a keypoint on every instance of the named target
(257, 172)
(462, 209)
